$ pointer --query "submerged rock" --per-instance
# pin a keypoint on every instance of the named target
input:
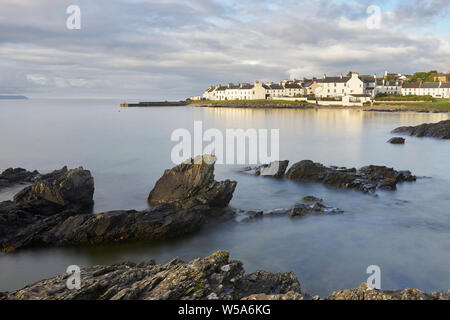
(213, 277)
(366, 179)
(397, 140)
(12, 176)
(439, 130)
(190, 184)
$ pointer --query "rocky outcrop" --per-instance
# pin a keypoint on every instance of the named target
(309, 206)
(363, 292)
(12, 176)
(396, 140)
(191, 184)
(213, 277)
(48, 213)
(367, 179)
(439, 130)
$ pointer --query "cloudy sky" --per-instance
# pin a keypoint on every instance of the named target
(170, 49)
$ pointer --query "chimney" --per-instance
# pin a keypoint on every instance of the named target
(384, 81)
(341, 76)
(324, 76)
(375, 76)
(385, 74)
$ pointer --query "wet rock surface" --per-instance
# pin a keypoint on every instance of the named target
(49, 213)
(308, 206)
(13, 176)
(213, 277)
(275, 169)
(439, 130)
(396, 140)
(367, 179)
(191, 184)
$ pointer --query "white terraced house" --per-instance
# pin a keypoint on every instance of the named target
(388, 87)
(339, 87)
(434, 89)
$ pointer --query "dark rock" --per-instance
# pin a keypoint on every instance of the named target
(62, 187)
(397, 140)
(213, 277)
(366, 179)
(190, 184)
(37, 218)
(439, 130)
(18, 175)
(275, 169)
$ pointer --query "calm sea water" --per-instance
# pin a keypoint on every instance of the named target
(406, 233)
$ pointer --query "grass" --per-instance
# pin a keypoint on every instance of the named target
(442, 104)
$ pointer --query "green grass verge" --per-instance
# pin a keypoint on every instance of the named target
(442, 104)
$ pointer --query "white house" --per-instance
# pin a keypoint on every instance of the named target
(388, 87)
(434, 89)
(338, 87)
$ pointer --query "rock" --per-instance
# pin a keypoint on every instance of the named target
(199, 279)
(18, 175)
(37, 218)
(363, 292)
(439, 130)
(62, 187)
(397, 140)
(190, 184)
(275, 169)
(211, 278)
(366, 179)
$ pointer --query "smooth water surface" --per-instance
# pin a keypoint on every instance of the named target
(406, 232)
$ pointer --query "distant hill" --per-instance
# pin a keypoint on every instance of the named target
(4, 97)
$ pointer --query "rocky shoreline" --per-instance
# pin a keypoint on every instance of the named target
(13, 176)
(215, 277)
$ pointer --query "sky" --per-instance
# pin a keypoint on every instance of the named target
(171, 49)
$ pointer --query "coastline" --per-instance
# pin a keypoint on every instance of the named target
(303, 106)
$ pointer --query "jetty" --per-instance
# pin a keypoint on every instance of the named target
(155, 104)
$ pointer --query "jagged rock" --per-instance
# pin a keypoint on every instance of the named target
(397, 140)
(190, 184)
(275, 169)
(18, 175)
(366, 179)
(22, 225)
(213, 277)
(62, 187)
(439, 130)
(363, 292)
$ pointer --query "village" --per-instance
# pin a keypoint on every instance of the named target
(352, 89)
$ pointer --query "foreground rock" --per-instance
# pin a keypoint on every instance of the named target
(367, 179)
(60, 223)
(397, 140)
(363, 292)
(439, 130)
(191, 184)
(12, 176)
(213, 277)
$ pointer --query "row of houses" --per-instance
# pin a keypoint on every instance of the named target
(353, 86)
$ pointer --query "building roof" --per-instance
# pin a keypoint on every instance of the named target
(292, 85)
(367, 78)
(276, 86)
(430, 85)
(411, 85)
(335, 79)
(445, 85)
